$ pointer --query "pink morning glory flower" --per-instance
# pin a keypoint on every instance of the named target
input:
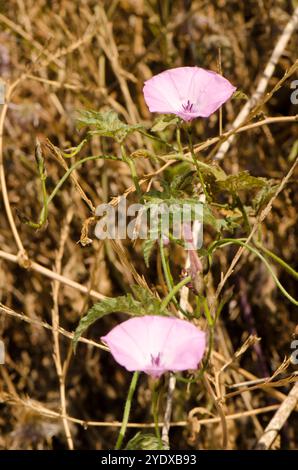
(188, 92)
(156, 344)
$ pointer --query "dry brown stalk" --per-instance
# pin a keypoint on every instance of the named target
(33, 266)
(61, 366)
(278, 50)
(279, 419)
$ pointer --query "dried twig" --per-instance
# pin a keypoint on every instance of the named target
(218, 405)
(263, 83)
(278, 420)
(60, 366)
(259, 220)
(8, 94)
(108, 45)
(42, 410)
(21, 316)
(172, 380)
(52, 275)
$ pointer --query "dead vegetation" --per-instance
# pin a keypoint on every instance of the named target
(57, 57)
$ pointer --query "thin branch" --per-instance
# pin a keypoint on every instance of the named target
(8, 210)
(218, 405)
(61, 369)
(263, 83)
(21, 32)
(278, 420)
(184, 305)
(168, 410)
(21, 316)
(172, 158)
(32, 265)
(259, 220)
(44, 411)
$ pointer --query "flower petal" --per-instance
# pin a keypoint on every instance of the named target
(124, 346)
(188, 92)
(156, 344)
(165, 102)
(214, 91)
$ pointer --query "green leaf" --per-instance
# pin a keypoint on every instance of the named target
(293, 152)
(142, 441)
(175, 170)
(263, 196)
(73, 151)
(106, 124)
(239, 95)
(164, 197)
(241, 181)
(183, 181)
(164, 121)
(148, 246)
(213, 170)
(142, 303)
(149, 304)
(144, 153)
(208, 218)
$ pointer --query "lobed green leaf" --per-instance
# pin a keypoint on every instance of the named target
(142, 302)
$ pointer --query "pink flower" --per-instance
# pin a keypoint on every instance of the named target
(156, 344)
(188, 92)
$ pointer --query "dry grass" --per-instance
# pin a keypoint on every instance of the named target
(93, 54)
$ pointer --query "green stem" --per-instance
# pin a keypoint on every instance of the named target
(178, 138)
(133, 171)
(211, 324)
(191, 148)
(47, 200)
(168, 275)
(127, 408)
(158, 139)
(43, 177)
(155, 401)
(44, 213)
(243, 211)
(230, 241)
(173, 292)
(210, 348)
(73, 152)
(280, 261)
(183, 159)
(72, 168)
(165, 267)
(219, 309)
(208, 313)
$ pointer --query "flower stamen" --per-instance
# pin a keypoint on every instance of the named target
(188, 106)
(155, 361)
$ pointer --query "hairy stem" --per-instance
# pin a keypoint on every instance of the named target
(47, 200)
(174, 291)
(133, 171)
(192, 153)
(127, 408)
